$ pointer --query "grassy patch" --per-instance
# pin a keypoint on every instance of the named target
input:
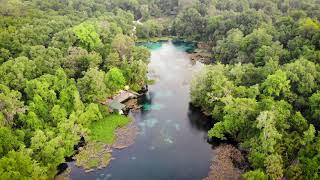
(97, 153)
(104, 130)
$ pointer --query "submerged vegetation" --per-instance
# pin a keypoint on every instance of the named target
(60, 59)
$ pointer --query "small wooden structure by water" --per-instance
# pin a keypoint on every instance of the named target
(116, 102)
(123, 96)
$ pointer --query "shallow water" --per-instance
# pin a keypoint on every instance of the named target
(171, 144)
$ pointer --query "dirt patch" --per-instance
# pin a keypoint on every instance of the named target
(225, 163)
(201, 56)
(132, 104)
(203, 45)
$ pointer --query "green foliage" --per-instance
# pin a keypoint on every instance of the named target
(135, 74)
(8, 141)
(79, 61)
(15, 73)
(267, 107)
(92, 86)
(86, 33)
(275, 84)
(303, 74)
(114, 80)
(123, 44)
(150, 29)
(10, 105)
(189, 24)
(104, 130)
(314, 101)
(255, 175)
(19, 165)
(58, 61)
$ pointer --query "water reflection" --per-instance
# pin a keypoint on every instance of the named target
(198, 120)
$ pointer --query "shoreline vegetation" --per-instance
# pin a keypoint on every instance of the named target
(114, 132)
(227, 163)
(97, 153)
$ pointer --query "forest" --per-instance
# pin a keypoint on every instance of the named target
(59, 60)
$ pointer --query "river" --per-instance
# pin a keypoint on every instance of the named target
(171, 144)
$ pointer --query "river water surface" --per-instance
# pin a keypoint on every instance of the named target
(171, 144)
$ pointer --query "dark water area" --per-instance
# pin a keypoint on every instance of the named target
(172, 140)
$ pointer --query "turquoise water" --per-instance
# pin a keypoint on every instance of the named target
(151, 45)
(179, 44)
(172, 140)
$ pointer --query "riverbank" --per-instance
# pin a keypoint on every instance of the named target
(115, 132)
(227, 163)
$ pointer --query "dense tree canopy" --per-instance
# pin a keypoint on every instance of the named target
(263, 89)
(58, 61)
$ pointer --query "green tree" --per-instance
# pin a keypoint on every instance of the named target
(19, 165)
(92, 86)
(123, 44)
(314, 102)
(78, 61)
(255, 175)
(114, 80)
(303, 76)
(276, 84)
(10, 105)
(87, 35)
(15, 73)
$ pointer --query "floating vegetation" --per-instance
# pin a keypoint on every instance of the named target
(94, 155)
